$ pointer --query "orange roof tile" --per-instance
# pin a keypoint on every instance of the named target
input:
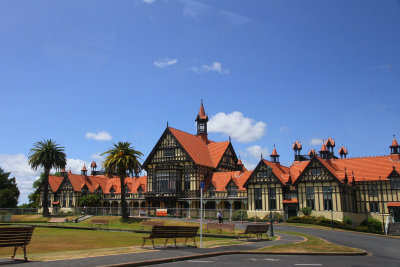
(194, 146)
(393, 204)
(217, 150)
(84, 168)
(323, 148)
(221, 179)
(279, 170)
(312, 152)
(55, 182)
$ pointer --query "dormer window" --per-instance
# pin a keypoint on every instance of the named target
(232, 191)
(169, 153)
(395, 183)
(84, 191)
(140, 191)
(112, 192)
(99, 191)
(211, 191)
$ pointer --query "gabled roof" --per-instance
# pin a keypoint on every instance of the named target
(217, 150)
(279, 170)
(194, 146)
(55, 183)
(221, 179)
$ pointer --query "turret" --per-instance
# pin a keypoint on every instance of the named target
(202, 119)
(274, 156)
(394, 148)
(84, 170)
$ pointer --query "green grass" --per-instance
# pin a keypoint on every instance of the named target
(311, 244)
(59, 243)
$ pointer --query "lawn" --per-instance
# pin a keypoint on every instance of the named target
(311, 244)
(53, 243)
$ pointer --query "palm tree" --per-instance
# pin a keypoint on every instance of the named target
(48, 155)
(121, 160)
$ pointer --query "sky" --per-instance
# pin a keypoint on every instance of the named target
(88, 74)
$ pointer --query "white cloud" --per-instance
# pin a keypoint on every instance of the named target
(316, 141)
(165, 63)
(20, 169)
(193, 8)
(237, 126)
(100, 136)
(216, 67)
(284, 129)
(148, 1)
(97, 156)
(25, 175)
(256, 151)
(249, 165)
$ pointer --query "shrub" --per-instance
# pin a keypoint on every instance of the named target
(347, 220)
(306, 211)
(278, 217)
(239, 215)
(374, 225)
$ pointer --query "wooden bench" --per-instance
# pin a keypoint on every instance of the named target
(99, 222)
(172, 232)
(16, 237)
(57, 220)
(255, 229)
(220, 227)
(152, 223)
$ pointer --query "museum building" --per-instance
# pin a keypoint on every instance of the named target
(331, 186)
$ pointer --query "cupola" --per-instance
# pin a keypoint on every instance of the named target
(324, 151)
(330, 144)
(394, 148)
(297, 148)
(312, 152)
(343, 152)
(93, 166)
(84, 170)
(274, 156)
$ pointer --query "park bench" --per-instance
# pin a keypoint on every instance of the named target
(255, 229)
(152, 223)
(57, 220)
(99, 222)
(220, 227)
(172, 232)
(16, 237)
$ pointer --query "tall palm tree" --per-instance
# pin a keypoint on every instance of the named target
(121, 160)
(48, 155)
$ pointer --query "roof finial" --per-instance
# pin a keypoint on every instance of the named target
(229, 139)
(201, 101)
(261, 155)
(167, 124)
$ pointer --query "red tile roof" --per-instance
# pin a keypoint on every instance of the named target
(330, 142)
(312, 152)
(194, 146)
(217, 150)
(84, 168)
(279, 170)
(221, 179)
(323, 148)
(393, 204)
(55, 182)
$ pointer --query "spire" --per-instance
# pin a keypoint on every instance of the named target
(312, 152)
(343, 152)
(274, 156)
(324, 151)
(297, 148)
(202, 114)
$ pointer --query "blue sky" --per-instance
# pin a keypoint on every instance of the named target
(273, 71)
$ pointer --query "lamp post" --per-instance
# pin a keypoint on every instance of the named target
(330, 192)
(201, 214)
(269, 202)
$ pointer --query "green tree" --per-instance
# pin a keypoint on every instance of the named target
(9, 192)
(91, 200)
(48, 155)
(121, 160)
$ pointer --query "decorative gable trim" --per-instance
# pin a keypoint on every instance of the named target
(316, 171)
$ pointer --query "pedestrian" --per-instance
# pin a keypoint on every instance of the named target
(220, 218)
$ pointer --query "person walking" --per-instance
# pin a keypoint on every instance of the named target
(220, 218)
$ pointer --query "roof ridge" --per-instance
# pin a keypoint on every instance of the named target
(192, 134)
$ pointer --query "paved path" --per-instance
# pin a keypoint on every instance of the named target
(158, 254)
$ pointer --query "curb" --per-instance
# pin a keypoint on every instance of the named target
(214, 254)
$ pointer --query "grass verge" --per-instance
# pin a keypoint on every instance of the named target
(310, 244)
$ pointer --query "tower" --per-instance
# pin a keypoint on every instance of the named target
(394, 148)
(202, 119)
(84, 170)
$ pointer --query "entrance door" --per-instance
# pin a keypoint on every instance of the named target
(395, 212)
(291, 211)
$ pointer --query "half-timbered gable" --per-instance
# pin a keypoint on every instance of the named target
(317, 171)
